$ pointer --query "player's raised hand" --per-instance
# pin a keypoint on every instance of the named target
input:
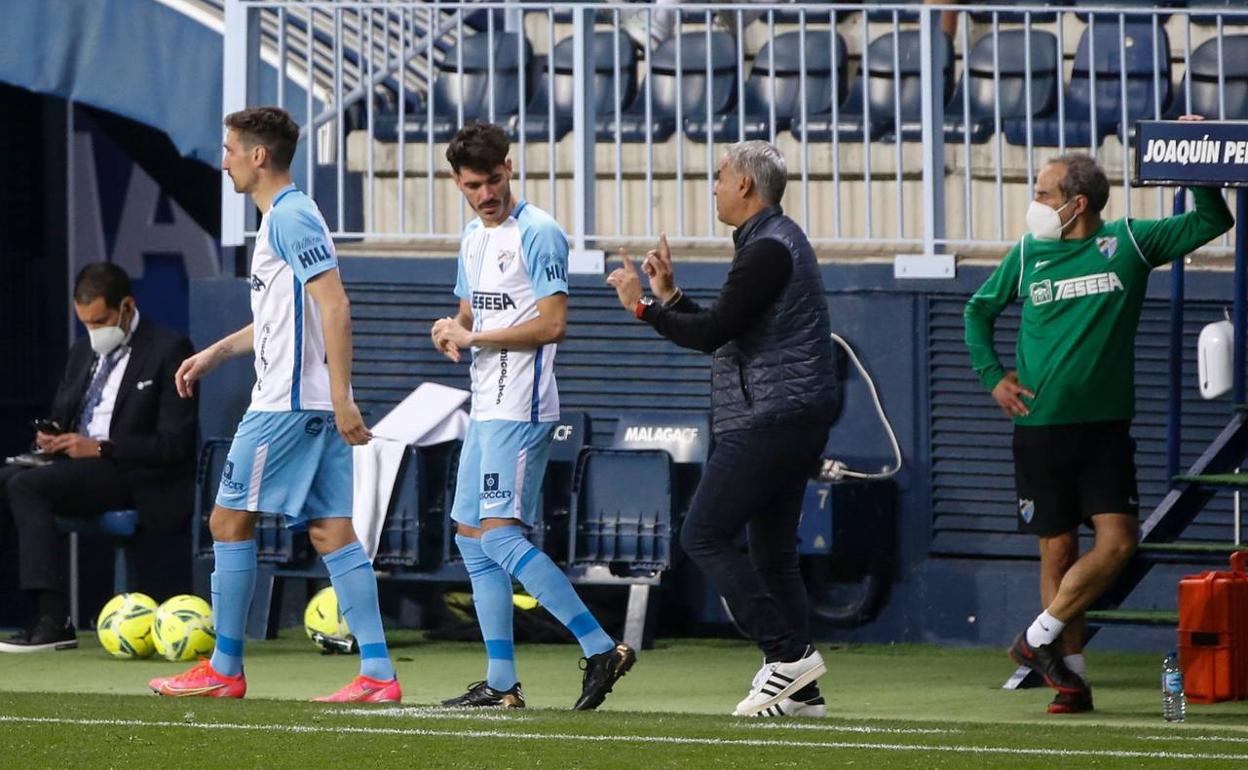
(351, 424)
(626, 281)
(658, 267)
(1009, 395)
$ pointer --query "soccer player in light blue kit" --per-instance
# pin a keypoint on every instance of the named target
(513, 307)
(291, 453)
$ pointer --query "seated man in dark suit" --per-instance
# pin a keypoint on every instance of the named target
(124, 439)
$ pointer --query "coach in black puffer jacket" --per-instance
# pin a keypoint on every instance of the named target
(774, 394)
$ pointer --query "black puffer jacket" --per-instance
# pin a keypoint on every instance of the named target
(782, 369)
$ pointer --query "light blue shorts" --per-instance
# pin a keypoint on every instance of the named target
(293, 463)
(501, 467)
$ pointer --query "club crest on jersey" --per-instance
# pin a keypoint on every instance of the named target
(1108, 246)
(504, 259)
(1042, 292)
(1026, 509)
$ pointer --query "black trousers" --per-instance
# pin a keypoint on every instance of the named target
(31, 498)
(755, 480)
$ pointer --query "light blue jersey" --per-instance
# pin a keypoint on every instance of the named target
(293, 246)
(503, 272)
(287, 456)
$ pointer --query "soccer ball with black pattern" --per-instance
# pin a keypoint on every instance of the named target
(325, 625)
(183, 630)
(124, 626)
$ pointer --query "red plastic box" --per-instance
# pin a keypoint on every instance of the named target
(1213, 633)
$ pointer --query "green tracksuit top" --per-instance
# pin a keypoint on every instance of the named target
(1081, 307)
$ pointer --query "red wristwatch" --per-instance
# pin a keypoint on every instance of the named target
(639, 309)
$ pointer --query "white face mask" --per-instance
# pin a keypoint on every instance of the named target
(1044, 222)
(106, 339)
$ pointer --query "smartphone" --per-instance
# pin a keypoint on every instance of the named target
(50, 427)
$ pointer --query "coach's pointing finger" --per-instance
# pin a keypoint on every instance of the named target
(626, 281)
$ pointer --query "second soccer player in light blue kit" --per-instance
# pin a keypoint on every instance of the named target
(513, 305)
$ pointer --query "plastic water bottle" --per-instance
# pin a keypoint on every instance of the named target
(1173, 701)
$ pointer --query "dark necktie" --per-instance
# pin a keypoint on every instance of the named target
(95, 391)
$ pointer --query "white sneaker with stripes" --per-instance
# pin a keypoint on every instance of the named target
(815, 707)
(775, 682)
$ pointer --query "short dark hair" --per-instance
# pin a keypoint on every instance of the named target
(270, 127)
(102, 279)
(479, 146)
(1083, 177)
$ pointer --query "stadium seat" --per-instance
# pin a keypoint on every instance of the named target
(617, 519)
(1203, 70)
(1105, 96)
(885, 87)
(453, 91)
(119, 525)
(1017, 17)
(980, 91)
(1133, 10)
(687, 86)
(885, 15)
(612, 52)
(825, 55)
(1214, 9)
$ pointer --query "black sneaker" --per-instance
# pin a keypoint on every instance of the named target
(602, 671)
(1046, 661)
(1072, 703)
(43, 634)
(481, 695)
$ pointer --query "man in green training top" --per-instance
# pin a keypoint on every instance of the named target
(1082, 282)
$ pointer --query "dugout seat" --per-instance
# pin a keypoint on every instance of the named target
(119, 525)
(570, 435)
(1095, 92)
(622, 509)
(780, 86)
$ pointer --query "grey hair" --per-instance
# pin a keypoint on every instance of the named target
(1083, 177)
(763, 163)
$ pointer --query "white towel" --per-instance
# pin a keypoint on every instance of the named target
(431, 414)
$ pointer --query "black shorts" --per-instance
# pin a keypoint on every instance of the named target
(1066, 474)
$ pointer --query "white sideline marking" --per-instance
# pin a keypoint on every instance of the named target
(417, 712)
(641, 739)
(490, 715)
(835, 728)
(1206, 738)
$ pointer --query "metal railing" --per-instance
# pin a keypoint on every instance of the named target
(901, 139)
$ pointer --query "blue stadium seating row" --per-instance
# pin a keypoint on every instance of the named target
(593, 510)
(702, 93)
(479, 20)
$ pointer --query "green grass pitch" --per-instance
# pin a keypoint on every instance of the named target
(904, 706)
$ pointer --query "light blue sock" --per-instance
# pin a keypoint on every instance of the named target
(542, 578)
(356, 587)
(233, 582)
(491, 593)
